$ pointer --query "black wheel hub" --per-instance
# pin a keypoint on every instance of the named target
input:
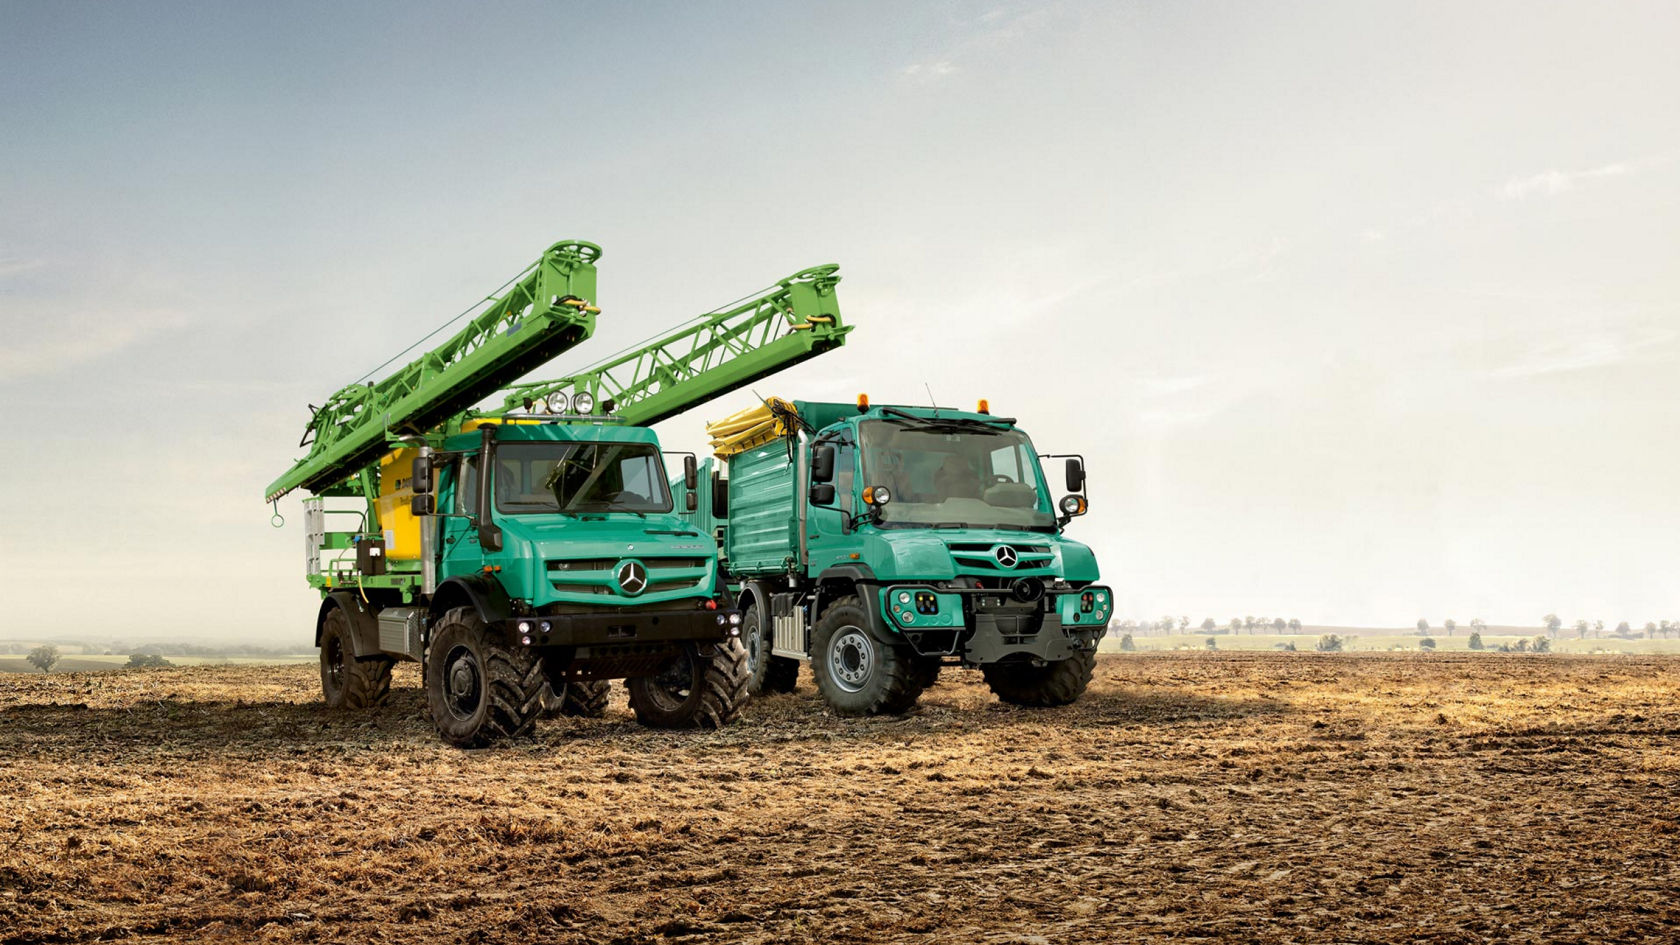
(463, 682)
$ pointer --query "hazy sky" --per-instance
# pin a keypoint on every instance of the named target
(1360, 312)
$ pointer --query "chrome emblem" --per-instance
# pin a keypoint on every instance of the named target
(1006, 556)
(632, 578)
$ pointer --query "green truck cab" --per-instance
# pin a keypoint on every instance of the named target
(882, 543)
(566, 565)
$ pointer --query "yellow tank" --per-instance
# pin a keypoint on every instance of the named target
(396, 515)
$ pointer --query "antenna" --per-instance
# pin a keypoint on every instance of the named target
(935, 403)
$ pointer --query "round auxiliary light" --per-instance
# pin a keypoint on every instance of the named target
(524, 626)
(557, 403)
(904, 597)
(882, 495)
(583, 402)
(1071, 504)
(735, 619)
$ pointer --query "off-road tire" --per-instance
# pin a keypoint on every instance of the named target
(768, 673)
(1022, 683)
(348, 682)
(479, 689)
(705, 687)
(579, 698)
(856, 673)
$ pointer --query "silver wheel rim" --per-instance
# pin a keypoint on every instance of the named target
(754, 644)
(851, 658)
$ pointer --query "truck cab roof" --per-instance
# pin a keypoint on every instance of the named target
(533, 431)
(823, 414)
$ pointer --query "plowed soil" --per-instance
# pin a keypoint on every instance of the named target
(1267, 798)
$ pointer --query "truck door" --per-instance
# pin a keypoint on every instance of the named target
(827, 542)
(461, 551)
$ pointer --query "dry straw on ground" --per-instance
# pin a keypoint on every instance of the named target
(1267, 798)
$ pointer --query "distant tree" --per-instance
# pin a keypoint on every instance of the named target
(1248, 623)
(1451, 625)
(1329, 643)
(1236, 624)
(1287, 646)
(1552, 622)
(1213, 643)
(1542, 644)
(1521, 647)
(1598, 627)
(1279, 625)
(1294, 625)
(1623, 630)
(1427, 643)
(1209, 624)
(1183, 623)
(1423, 625)
(1581, 629)
(43, 657)
(1166, 624)
(1650, 631)
(147, 661)
(1126, 643)
(1667, 627)
(1475, 642)
(1478, 624)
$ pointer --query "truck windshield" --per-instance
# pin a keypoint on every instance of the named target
(533, 478)
(967, 475)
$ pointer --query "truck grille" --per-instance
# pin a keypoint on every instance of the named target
(599, 575)
(981, 556)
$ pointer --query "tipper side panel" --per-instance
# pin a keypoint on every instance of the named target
(762, 533)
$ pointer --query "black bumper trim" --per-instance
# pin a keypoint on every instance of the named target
(607, 628)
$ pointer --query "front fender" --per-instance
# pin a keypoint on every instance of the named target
(364, 626)
(482, 592)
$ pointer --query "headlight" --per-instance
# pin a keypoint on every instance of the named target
(557, 403)
(904, 597)
(877, 495)
(1072, 505)
(583, 402)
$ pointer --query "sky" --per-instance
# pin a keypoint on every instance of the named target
(1359, 313)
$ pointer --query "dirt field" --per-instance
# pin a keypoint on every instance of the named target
(1236, 797)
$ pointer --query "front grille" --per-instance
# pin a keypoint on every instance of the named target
(983, 556)
(599, 576)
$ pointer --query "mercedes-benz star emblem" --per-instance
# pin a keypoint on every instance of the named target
(1006, 556)
(632, 577)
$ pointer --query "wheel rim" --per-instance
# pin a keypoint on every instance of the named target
(463, 683)
(671, 688)
(333, 662)
(851, 658)
(754, 644)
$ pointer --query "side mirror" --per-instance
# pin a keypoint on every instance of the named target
(720, 496)
(1075, 476)
(691, 474)
(423, 504)
(691, 501)
(822, 494)
(822, 464)
(420, 479)
(490, 537)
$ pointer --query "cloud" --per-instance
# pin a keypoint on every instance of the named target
(989, 34)
(12, 265)
(930, 70)
(1553, 182)
(1585, 354)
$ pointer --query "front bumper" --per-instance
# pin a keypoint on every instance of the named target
(983, 626)
(612, 629)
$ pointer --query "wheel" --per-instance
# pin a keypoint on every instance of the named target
(1032, 683)
(767, 673)
(581, 698)
(857, 674)
(479, 689)
(704, 687)
(347, 682)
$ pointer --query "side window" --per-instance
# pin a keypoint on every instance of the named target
(636, 473)
(466, 486)
(845, 466)
(1007, 462)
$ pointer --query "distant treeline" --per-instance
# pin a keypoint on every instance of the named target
(203, 650)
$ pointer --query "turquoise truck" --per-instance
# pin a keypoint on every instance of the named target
(526, 555)
(882, 543)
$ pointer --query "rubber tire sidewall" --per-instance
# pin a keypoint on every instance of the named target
(511, 682)
(893, 687)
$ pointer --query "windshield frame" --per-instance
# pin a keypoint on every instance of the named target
(560, 450)
(1040, 516)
